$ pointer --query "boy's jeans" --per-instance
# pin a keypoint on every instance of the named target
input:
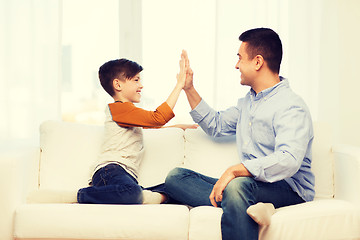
(191, 188)
(113, 185)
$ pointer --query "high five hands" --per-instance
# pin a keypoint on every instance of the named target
(185, 75)
(189, 72)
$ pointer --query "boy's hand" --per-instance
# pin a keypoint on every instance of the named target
(184, 126)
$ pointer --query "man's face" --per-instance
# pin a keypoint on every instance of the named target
(245, 65)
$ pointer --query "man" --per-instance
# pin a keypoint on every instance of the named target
(274, 134)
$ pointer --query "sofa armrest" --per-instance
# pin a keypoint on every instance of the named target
(10, 185)
(347, 172)
(14, 181)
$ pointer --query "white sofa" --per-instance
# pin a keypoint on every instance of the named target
(36, 182)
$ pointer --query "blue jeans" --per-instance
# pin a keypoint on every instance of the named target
(113, 185)
(192, 188)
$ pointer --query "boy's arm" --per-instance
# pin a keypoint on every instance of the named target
(128, 115)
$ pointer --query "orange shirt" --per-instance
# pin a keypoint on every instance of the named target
(128, 115)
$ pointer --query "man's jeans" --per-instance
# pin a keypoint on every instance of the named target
(113, 185)
(191, 188)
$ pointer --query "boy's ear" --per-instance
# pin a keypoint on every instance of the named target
(117, 84)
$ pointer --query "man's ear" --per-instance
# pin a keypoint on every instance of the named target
(117, 84)
(259, 62)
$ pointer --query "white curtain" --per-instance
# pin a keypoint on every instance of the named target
(29, 73)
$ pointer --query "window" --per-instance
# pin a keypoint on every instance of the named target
(90, 37)
(168, 27)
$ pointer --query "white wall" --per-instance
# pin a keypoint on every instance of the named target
(339, 78)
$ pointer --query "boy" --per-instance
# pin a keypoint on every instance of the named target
(115, 177)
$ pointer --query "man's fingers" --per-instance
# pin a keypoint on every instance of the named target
(187, 62)
(218, 198)
(212, 199)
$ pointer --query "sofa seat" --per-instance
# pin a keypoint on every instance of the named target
(319, 219)
(89, 221)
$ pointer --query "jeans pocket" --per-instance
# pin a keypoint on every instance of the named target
(102, 175)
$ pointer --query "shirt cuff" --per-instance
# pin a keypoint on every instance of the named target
(200, 111)
(253, 167)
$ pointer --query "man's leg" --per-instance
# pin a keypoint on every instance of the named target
(189, 187)
(243, 192)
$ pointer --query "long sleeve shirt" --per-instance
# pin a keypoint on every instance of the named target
(123, 137)
(274, 135)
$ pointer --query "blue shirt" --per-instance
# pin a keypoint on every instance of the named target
(274, 135)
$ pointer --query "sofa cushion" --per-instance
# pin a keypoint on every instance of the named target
(95, 221)
(207, 155)
(320, 219)
(205, 223)
(323, 160)
(68, 151)
(164, 150)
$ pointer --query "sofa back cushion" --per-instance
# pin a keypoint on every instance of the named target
(323, 160)
(212, 156)
(164, 150)
(207, 155)
(69, 152)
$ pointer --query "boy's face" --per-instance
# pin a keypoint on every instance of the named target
(131, 89)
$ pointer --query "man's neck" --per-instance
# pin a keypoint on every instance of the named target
(265, 82)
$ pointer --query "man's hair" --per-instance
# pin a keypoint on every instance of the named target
(121, 69)
(264, 42)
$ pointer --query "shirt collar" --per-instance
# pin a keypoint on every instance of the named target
(267, 93)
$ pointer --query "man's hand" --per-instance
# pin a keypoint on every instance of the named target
(231, 173)
(189, 73)
(216, 194)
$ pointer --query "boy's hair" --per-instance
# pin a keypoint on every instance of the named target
(264, 42)
(121, 69)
